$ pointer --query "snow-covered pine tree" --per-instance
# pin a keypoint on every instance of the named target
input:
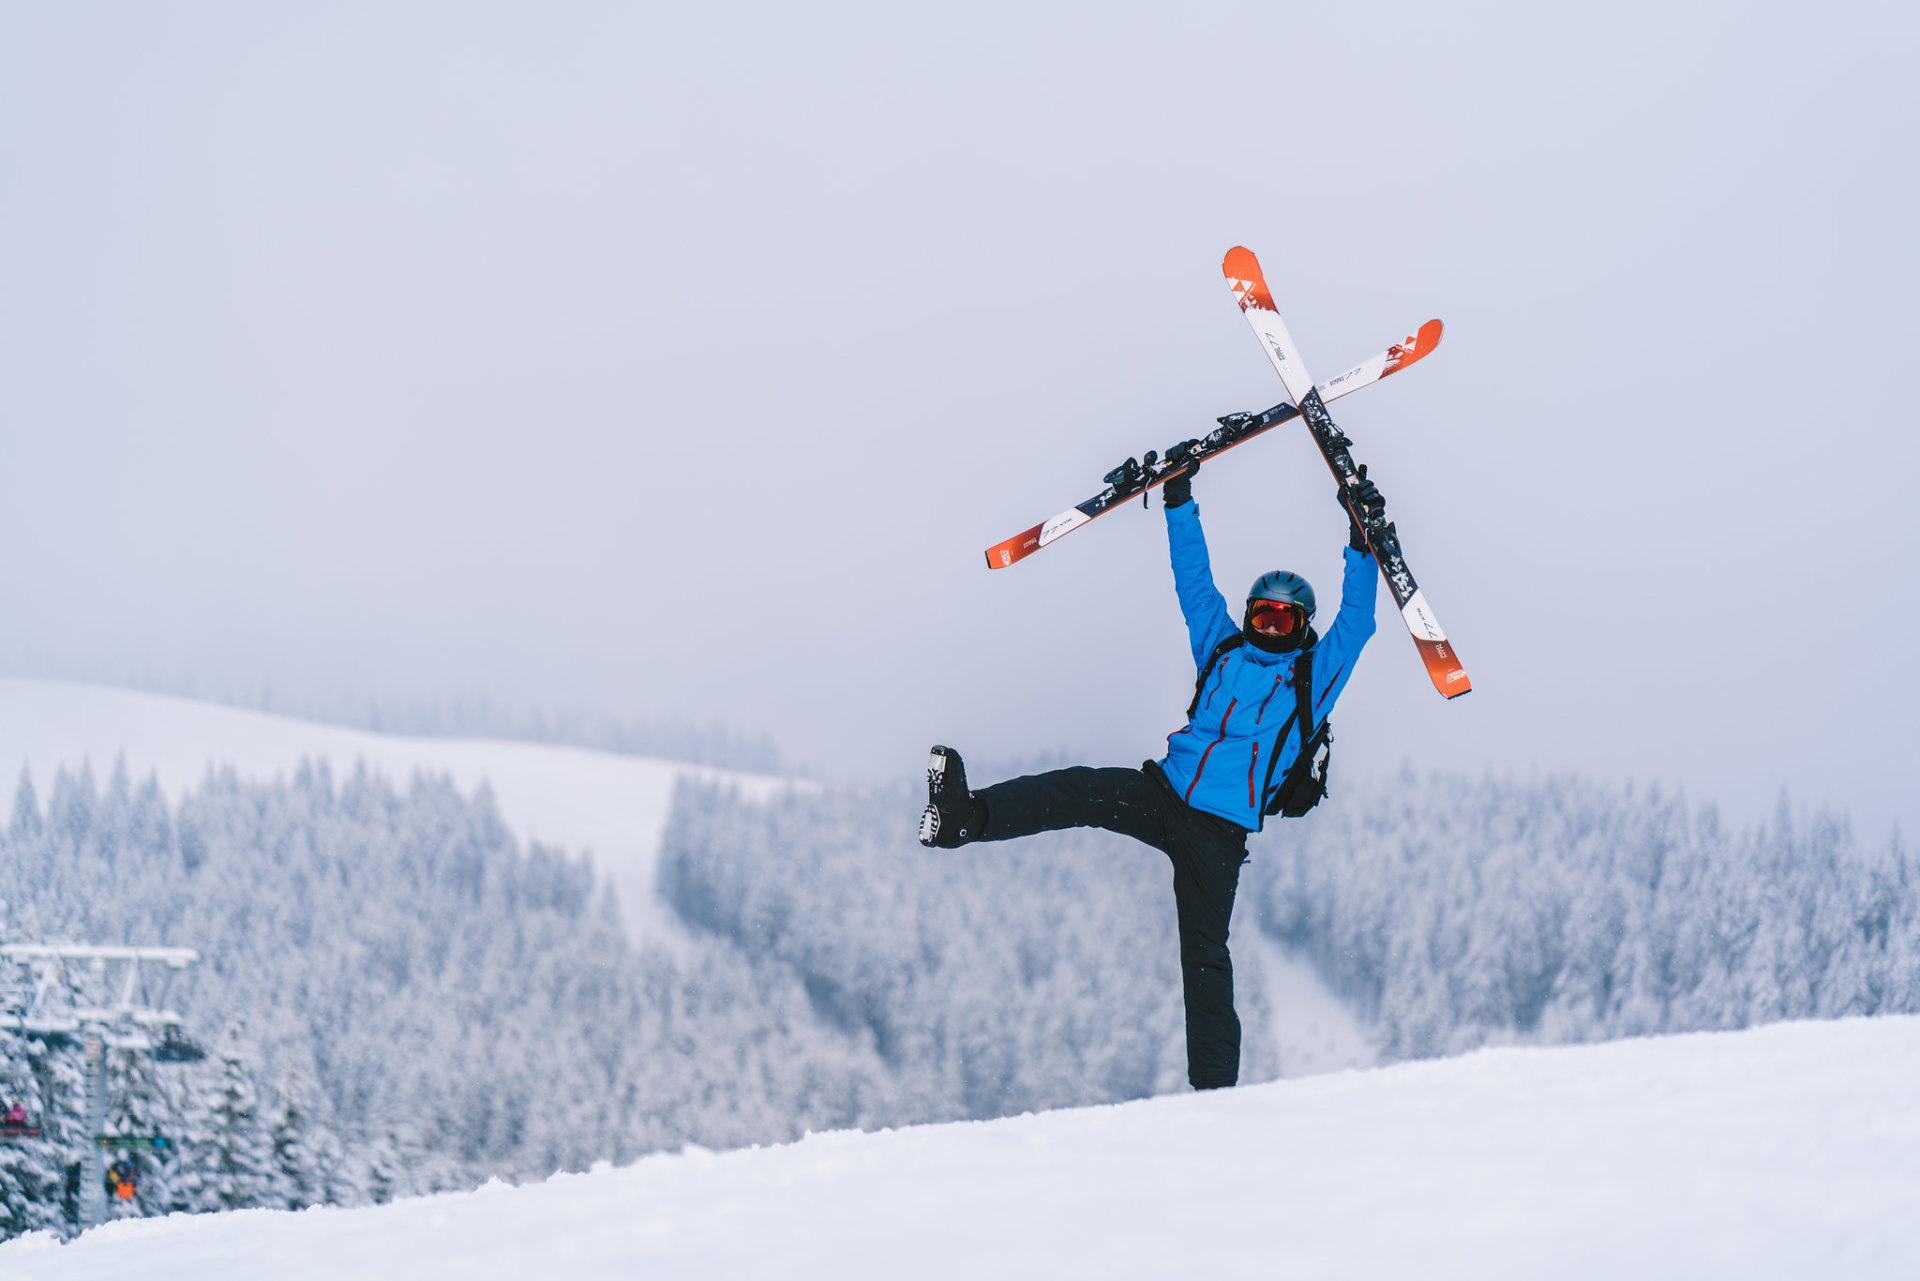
(227, 1155)
(341, 1182)
(32, 1169)
(387, 1176)
(60, 1063)
(303, 1152)
(26, 824)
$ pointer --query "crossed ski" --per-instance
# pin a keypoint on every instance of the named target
(1309, 402)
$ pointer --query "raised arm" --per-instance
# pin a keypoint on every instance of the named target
(1359, 588)
(1205, 609)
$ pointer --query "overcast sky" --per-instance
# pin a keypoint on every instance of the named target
(684, 362)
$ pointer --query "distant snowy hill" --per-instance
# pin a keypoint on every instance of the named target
(614, 806)
(1786, 1151)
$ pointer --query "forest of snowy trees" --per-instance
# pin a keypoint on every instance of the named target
(432, 1003)
(1457, 913)
(398, 998)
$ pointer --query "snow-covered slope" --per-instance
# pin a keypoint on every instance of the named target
(1788, 1151)
(1313, 1029)
(614, 806)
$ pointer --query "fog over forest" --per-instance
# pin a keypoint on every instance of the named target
(678, 365)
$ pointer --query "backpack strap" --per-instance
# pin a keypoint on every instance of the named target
(1303, 698)
(1303, 717)
(1300, 791)
(1220, 651)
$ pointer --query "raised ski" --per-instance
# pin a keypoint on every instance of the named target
(1133, 477)
(1256, 303)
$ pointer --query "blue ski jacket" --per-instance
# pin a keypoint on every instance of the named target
(1222, 758)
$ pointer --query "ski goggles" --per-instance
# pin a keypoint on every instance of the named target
(1277, 618)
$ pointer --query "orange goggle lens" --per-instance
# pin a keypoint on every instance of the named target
(1276, 617)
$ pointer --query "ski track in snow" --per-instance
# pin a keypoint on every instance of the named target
(612, 806)
(1785, 1151)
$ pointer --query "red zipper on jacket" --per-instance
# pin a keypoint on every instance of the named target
(1250, 773)
(1221, 674)
(1277, 678)
(1329, 689)
(1225, 717)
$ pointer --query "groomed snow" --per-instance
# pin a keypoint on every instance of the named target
(1787, 1151)
(611, 805)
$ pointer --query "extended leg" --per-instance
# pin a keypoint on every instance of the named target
(1120, 800)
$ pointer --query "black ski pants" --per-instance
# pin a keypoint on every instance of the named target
(1206, 852)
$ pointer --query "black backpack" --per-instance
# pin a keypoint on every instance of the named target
(1302, 787)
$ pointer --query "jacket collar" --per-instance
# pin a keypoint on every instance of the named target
(1265, 659)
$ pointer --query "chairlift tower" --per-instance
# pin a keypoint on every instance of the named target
(39, 1000)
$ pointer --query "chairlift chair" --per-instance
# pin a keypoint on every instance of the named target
(16, 1124)
(177, 1047)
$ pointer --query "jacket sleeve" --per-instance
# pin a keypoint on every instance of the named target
(1208, 622)
(1351, 627)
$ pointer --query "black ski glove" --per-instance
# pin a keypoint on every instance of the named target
(1178, 492)
(1362, 496)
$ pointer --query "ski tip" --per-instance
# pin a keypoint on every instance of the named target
(1420, 345)
(1242, 271)
(1017, 548)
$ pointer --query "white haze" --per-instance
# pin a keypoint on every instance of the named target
(683, 362)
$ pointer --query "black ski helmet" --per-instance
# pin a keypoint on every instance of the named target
(1288, 588)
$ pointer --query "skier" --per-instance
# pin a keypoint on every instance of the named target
(123, 1179)
(1217, 781)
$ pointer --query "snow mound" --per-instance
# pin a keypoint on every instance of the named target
(1786, 1151)
(613, 806)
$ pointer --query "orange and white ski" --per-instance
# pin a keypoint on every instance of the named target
(1256, 303)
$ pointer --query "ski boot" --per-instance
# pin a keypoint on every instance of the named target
(953, 815)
